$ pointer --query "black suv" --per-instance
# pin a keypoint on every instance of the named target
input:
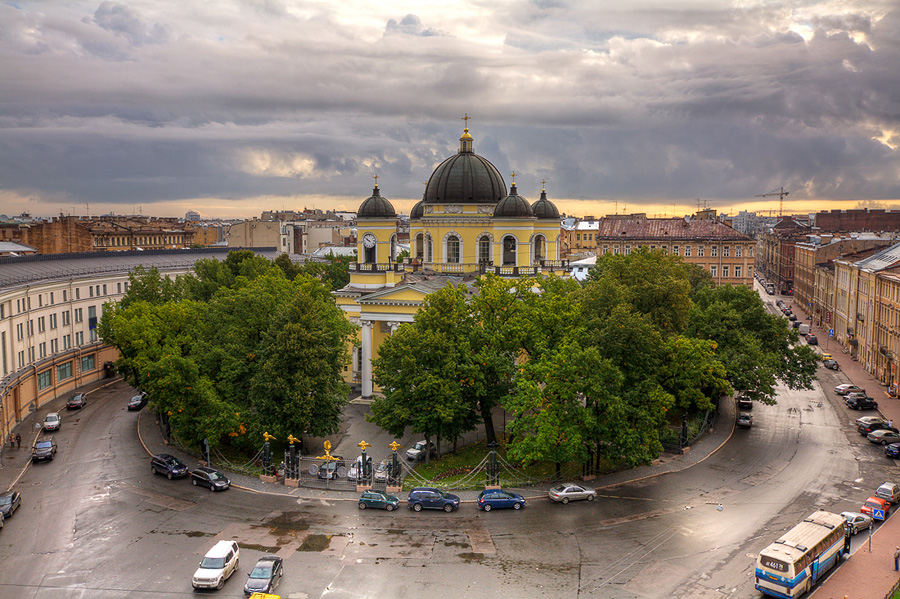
(44, 449)
(429, 498)
(169, 465)
(76, 402)
(862, 403)
(137, 402)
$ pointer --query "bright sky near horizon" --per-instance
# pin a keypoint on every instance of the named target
(233, 107)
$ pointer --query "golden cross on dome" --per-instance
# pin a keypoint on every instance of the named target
(513, 175)
(543, 183)
(375, 176)
(466, 119)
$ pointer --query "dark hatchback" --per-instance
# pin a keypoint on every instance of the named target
(76, 402)
(892, 450)
(832, 364)
(43, 450)
(265, 575)
(169, 465)
(429, 498)
(137, 402)
(811, 339)
(9, 503)
(210, 478)
(497, 498)
(865, 429)
(862, 403)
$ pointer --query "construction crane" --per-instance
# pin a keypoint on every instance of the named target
(780, 192)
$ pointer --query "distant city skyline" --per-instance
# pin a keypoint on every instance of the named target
(232, 108)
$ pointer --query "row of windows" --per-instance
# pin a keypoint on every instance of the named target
(27, 356)
(142, 240)
(64, 371)
(42, 321)
(49, 298)
(701, 250)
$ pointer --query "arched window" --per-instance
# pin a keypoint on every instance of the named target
(509, 250)
(420, 247)
(540, 248)
(484, 249)
(369, 248)
(453, 249)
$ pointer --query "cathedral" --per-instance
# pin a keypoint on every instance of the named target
(466, 225)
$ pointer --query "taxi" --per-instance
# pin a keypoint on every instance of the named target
(826, 356)
(264, 596)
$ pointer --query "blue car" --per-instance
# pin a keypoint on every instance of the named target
(496, 498)
(892, 450)
(169, 465)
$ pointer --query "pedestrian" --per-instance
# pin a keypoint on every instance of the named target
(890, 423)
(18, 441)
(897, 559)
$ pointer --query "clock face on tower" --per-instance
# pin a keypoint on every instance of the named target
(369, 240)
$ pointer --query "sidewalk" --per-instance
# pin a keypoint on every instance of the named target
(866, 575)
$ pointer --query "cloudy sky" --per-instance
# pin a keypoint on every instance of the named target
(233, 107)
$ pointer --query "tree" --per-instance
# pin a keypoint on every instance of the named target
(148, 285)
(755, 347)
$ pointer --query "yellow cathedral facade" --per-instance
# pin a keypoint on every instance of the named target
(467, 224)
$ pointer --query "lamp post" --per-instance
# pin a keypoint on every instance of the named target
(393, 485)
(493, 477)
(362, 477)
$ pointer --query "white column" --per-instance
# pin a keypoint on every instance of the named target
(366, 334)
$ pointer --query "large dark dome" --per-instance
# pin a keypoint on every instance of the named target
(544, 208)
(376, 206)
(513, 206)
(418, 210)
(466, 178)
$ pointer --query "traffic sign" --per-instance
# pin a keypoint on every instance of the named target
(878, 514)
(831, 332)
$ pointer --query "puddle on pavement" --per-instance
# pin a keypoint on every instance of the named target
(315, 543)
(260, 548)
(197, 533)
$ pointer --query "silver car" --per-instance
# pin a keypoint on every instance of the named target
(51, 422)
(857, 521)
(567, 492)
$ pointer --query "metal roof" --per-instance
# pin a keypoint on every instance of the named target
(661, 229)
(884, 259)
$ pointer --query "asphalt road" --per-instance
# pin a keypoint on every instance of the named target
(95, 523)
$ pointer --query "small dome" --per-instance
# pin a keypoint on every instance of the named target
(544, 208)
(418, 210)
(513, 206)
(376, 207)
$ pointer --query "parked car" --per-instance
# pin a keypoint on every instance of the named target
(866, 429)
(417, 451)
(498, 498)
(744, 420)
(76, 402)
(889, 492)
(847, 388)
(864, 403)
(52, 422)
(811, 339)
(378, 500)
(217, 566)
(210, 478)
(744, 402)
(265, 575)
(857, 521)
(9, 503)
(355, 470)
(429, 498)
(876, 503)
(566, 492)
(883, 436)
(43, 450)
(831, 364)
(383, 470)
(892, 450)
(169, 465)
(333, 469)
(870, 420)
(855, 395)
(796, 324)
(137, 402)
(826, 356)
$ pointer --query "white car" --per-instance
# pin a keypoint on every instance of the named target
(217, 566)
(417, 451)
(847, 388)
(52, 422)
(857, 521)
(567, 492)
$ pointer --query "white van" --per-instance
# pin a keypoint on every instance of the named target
(217, 566)
(804, 330)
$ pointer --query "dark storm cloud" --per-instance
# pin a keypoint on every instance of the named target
(140, 102)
